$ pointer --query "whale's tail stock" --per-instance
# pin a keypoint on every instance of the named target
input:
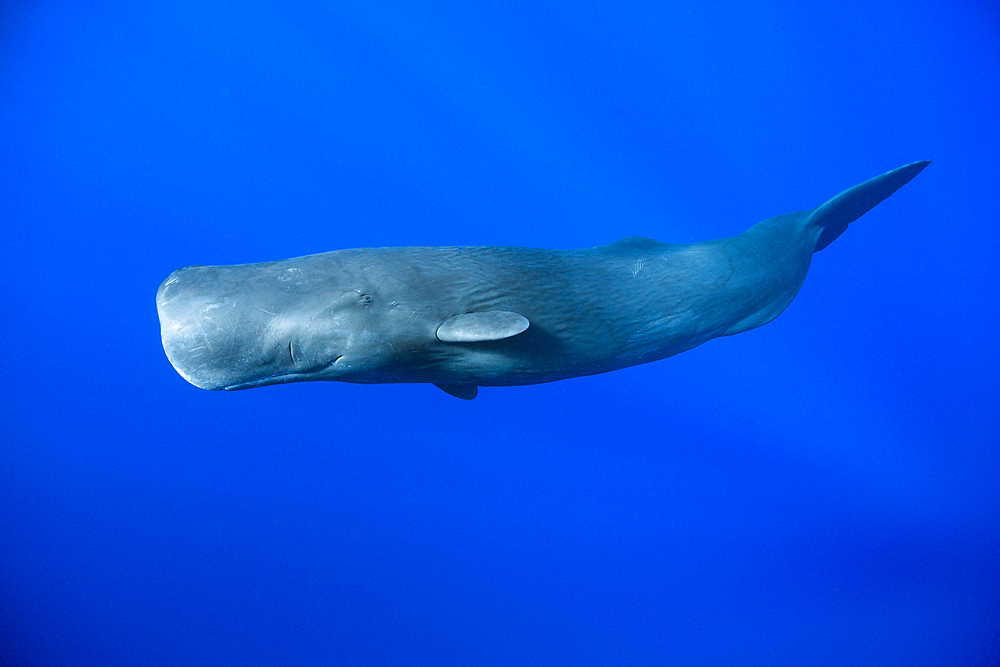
(834, 216)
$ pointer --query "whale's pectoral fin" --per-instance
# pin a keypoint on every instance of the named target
(466, 392)
(481, 327)
(834, 216)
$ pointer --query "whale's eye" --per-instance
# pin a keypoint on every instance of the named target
(365, 299)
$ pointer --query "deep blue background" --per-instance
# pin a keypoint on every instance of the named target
(822, 491)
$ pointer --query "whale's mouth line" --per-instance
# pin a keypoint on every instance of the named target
(283, 377)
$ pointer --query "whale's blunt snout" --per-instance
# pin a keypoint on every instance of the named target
(192, 317)
(223, 328)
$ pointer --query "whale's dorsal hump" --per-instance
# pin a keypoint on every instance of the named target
(482, 327)
(632, 244)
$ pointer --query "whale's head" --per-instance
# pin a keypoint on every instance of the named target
(251, 325)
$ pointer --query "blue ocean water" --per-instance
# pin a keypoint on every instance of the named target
(820, 491)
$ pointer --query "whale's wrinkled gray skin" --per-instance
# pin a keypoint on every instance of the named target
(465, 317)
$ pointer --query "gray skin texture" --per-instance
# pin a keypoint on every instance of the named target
(464, 317)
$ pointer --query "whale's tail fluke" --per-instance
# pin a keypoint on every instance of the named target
(834, 216)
